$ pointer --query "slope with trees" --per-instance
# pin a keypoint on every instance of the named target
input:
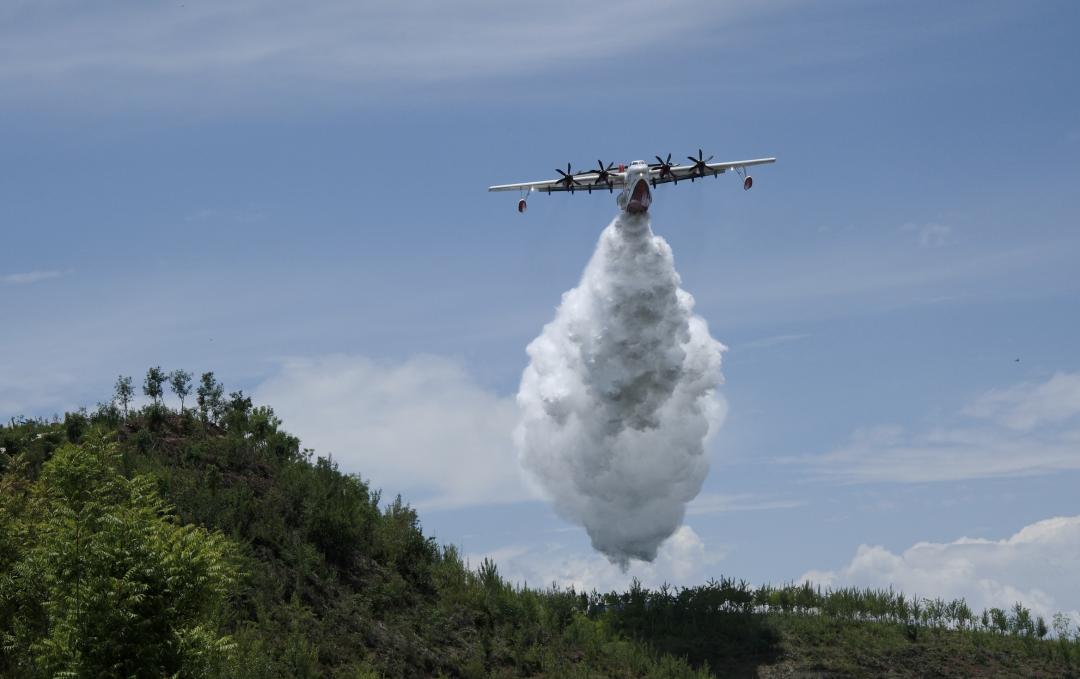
(208, 542)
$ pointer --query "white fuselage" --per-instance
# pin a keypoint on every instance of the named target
(636, 197)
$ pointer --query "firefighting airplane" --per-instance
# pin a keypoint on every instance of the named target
(634, 180)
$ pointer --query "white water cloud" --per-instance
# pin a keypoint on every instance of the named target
(1023, 430)
(422, 427)
(620, 395)
(1037, 566)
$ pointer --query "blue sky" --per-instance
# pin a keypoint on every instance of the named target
(294, 198)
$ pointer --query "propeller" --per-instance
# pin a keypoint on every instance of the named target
(568, 178)
(700, 164)
(665, 167)
(603, 175)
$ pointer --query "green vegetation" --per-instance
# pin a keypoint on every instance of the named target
(772, 631)
(206, 542)
(100, 580)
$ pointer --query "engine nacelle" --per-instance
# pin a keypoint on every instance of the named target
(521, 205)
(747, 183)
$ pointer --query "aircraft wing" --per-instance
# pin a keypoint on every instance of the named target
(583, 182)
(680, 172)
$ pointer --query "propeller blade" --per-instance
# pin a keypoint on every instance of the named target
(700, 164)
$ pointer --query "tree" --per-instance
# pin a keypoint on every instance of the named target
(1040, 627)
(999, 620)
(155, 378)
(109, 583)
(209, 395)
(1062, 624)
(1022, 624)
(124, 393)
(180, 382)
(237, 411)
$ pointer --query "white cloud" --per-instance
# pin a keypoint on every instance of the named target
(1024, 430)
(1036, 566)
(683, 559)
(29, 277)
(422, 427)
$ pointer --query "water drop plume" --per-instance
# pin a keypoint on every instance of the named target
(620, 395)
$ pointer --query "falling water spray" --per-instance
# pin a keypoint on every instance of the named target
(620, 395)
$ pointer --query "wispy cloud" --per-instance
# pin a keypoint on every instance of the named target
(236, 215)
(716, 503)
(270, 46)
(767, 342)
(29, 277)
(871, 275)
(34, 390)
(930, 234)
(1026, 406)
(1024, 430)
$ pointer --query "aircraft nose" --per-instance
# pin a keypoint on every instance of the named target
(640, 197)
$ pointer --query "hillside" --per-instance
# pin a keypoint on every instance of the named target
(208, 542)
